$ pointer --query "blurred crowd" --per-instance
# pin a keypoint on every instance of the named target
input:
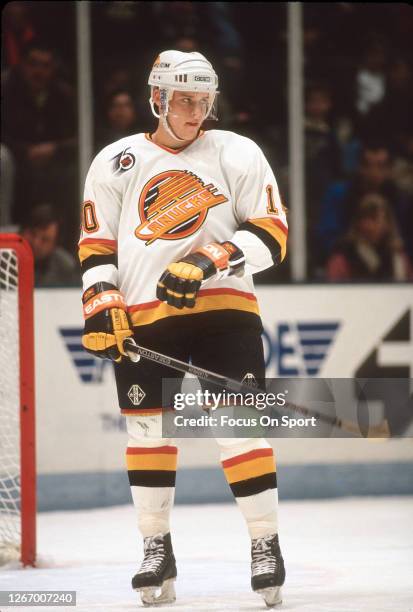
(358, 117)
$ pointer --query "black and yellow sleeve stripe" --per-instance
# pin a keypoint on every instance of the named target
(95, 252)
(272, 232)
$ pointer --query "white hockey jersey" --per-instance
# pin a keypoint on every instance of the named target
(147, 205)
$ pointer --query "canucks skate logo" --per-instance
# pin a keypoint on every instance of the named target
(174, 205)
(123, 161)
(300, 349)
(90, 369)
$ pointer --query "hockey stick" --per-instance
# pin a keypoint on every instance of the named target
(133, 349)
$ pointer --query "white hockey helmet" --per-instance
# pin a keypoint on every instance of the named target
(177, 70)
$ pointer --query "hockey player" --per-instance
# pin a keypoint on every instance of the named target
(175, 223)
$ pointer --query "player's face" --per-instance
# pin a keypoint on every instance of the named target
(187, 111)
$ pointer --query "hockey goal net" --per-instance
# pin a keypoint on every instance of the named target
(17, 432)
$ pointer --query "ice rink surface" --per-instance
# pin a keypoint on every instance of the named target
(351, 555)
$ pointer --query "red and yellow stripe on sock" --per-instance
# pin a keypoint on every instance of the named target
(152, 467)
(251, 473)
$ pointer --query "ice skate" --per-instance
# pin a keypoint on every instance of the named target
(156, 576)
(267, 569)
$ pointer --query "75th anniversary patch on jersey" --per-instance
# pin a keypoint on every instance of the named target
(174, 204)
(123, 161)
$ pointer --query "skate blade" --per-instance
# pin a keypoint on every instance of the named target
(155, 596)
(272, 596)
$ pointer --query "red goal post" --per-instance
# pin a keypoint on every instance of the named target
(17, 405)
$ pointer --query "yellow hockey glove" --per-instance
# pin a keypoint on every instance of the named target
(180, 283)
(107, 322)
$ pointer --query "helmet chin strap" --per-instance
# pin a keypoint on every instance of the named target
(170, 131)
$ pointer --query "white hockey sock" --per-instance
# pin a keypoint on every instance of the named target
(151, 463)
(249, 467)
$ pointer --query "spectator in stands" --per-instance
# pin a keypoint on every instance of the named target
(38, 123)
(53, 266)
(341, 198)
(121, 78)
(120, 117)
(322, 155)
(372, 250)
